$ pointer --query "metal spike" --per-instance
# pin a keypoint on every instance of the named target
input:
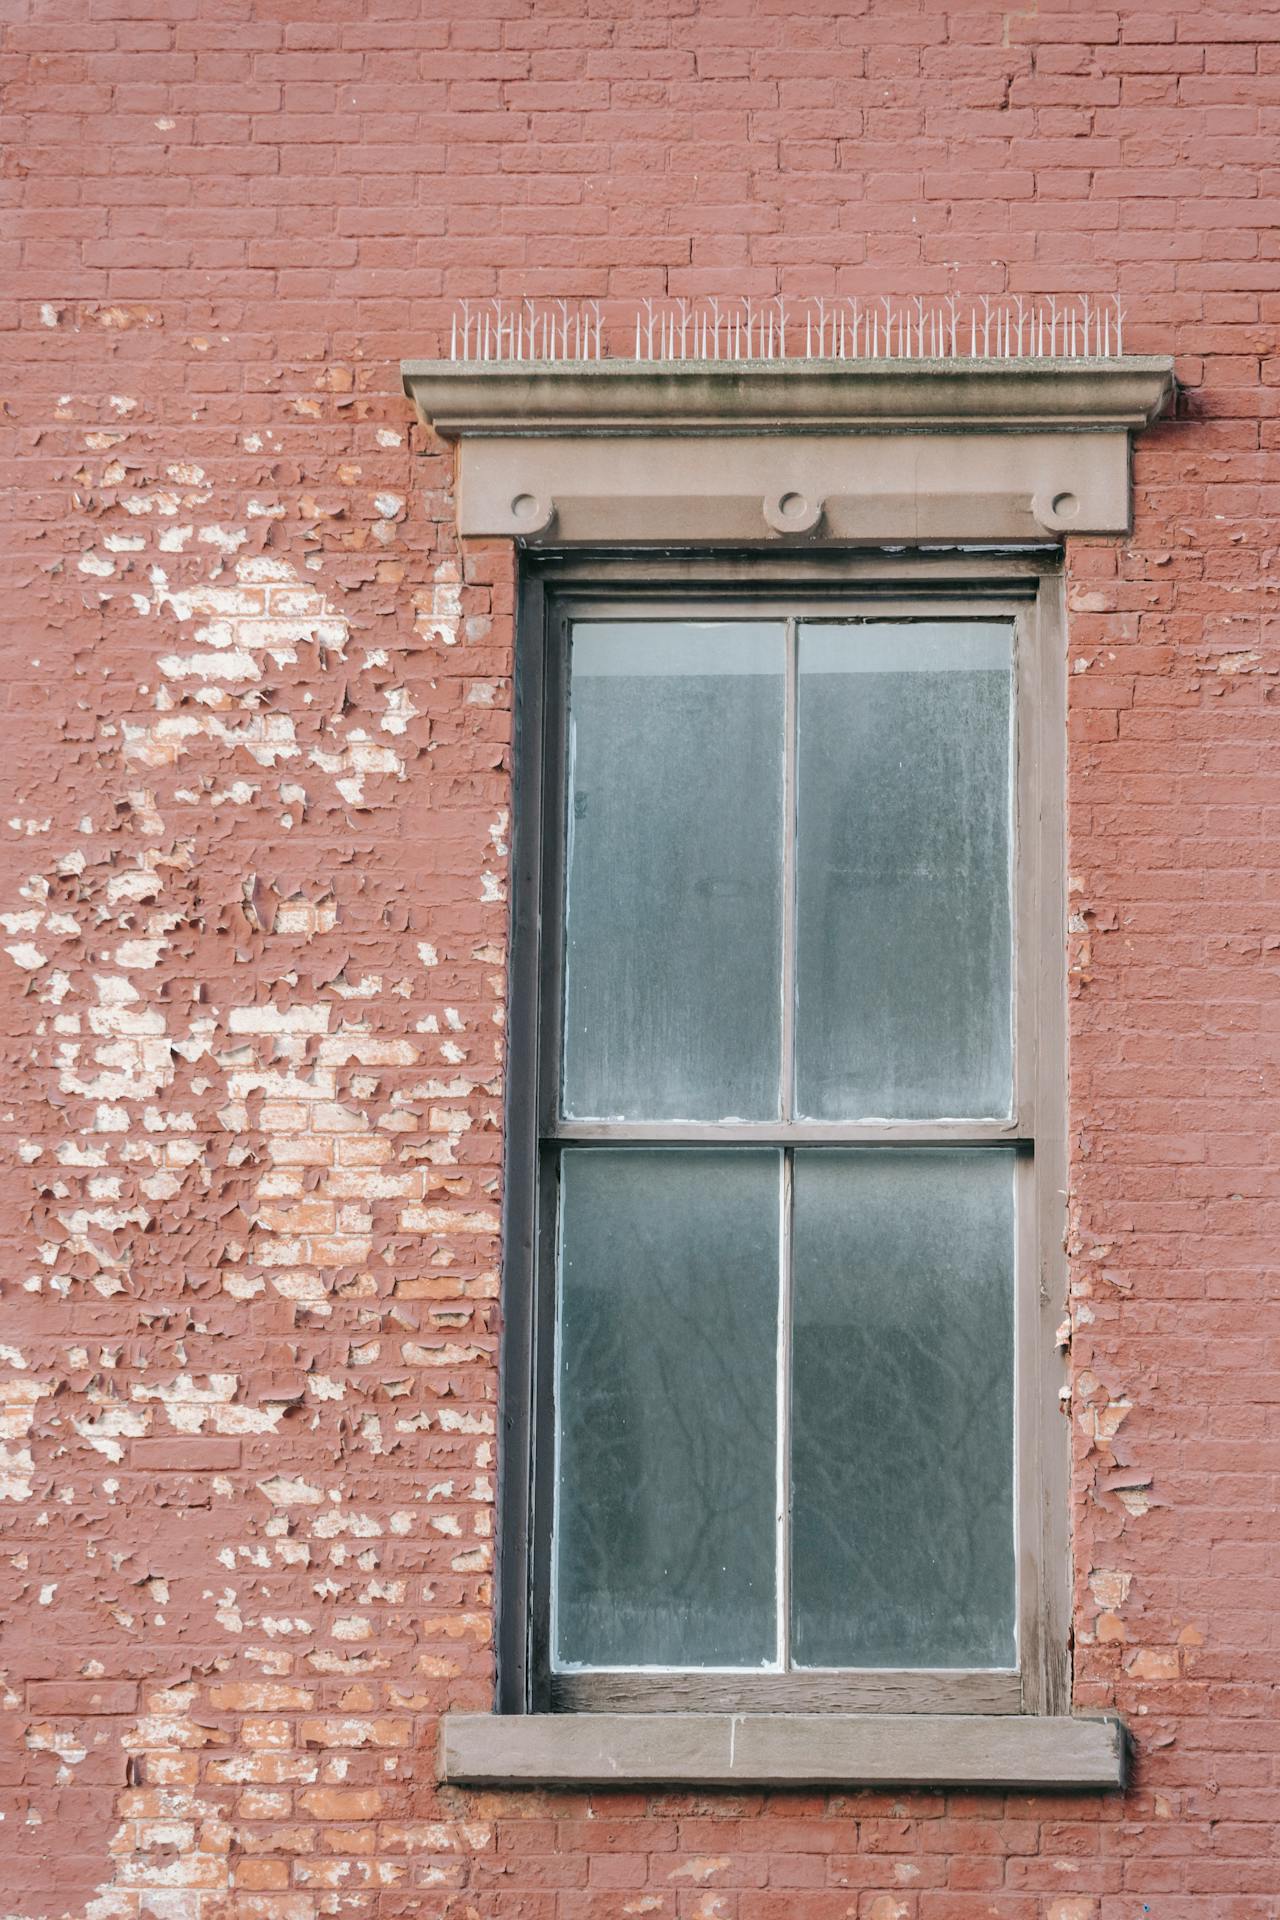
(1005, 327)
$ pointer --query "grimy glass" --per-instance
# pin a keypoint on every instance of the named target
(784, 1352)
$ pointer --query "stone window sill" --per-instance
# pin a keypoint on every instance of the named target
(1020, 1752)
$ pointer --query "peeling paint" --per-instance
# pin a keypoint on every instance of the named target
(224, 1134)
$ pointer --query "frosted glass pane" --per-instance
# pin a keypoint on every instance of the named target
(903, 947)
(666, 1498)
(673, 945)
(902, 1408)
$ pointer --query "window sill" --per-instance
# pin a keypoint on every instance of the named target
(784, 1749)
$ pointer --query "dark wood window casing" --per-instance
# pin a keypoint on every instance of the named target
(558, 589)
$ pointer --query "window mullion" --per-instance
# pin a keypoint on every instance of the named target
(790, 703)
(789, 874)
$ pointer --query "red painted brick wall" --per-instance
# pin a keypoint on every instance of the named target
(258, 745)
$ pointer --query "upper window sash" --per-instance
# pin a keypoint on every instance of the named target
(808, 916)
(566, 1109)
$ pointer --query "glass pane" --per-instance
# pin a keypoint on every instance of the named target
(903, 943)
(673, 969)
(667, 1476)
(902, 1408)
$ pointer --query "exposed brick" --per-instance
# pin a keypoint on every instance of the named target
(82, 1696)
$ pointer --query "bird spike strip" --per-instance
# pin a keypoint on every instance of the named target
(990, 327)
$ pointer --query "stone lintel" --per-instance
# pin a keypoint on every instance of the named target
(873, 451)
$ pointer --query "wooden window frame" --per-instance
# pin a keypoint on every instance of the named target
(555, 589)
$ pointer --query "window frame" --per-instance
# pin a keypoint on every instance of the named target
(555, 589)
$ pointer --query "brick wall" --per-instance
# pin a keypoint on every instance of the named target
(258, 738)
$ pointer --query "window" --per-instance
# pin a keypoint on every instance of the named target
(784, 1190)
(612, 480)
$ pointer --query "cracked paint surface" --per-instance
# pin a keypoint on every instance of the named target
(247, 1422)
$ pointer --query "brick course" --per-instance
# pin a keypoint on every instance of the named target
(254, 919)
